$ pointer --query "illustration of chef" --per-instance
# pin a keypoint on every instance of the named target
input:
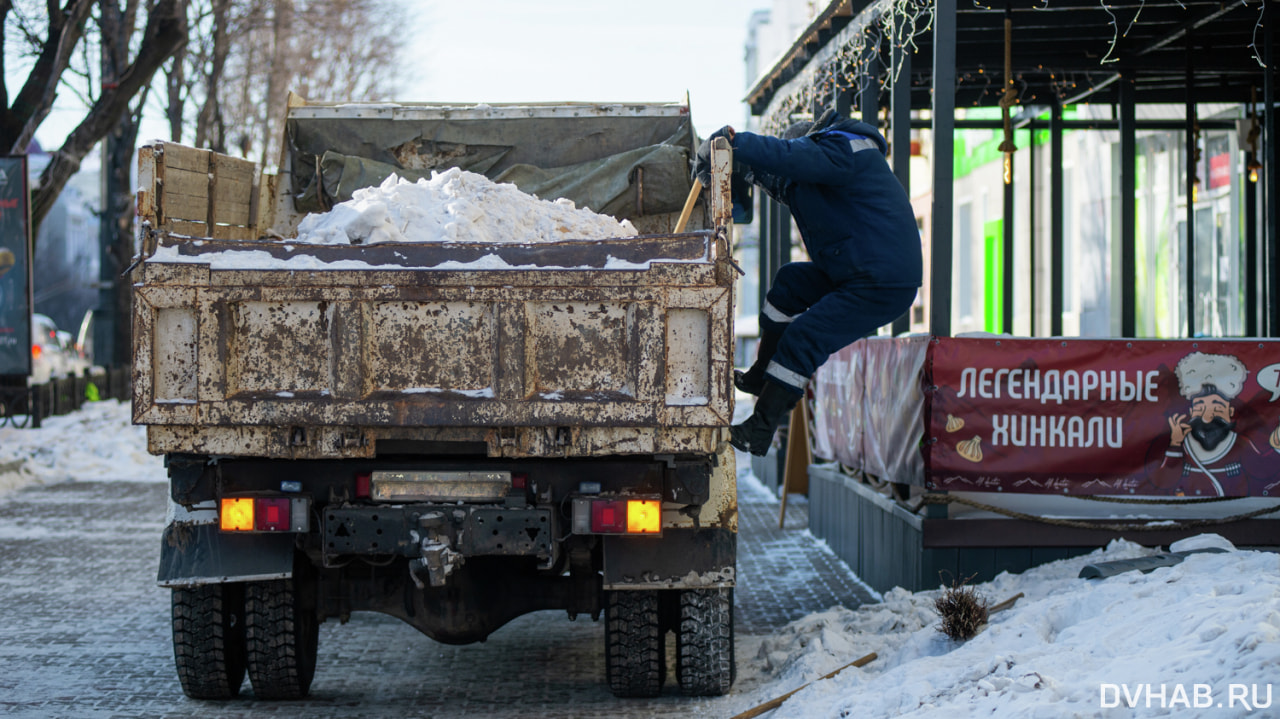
(1206, 456)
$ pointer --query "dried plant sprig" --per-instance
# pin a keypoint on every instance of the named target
(963, 611)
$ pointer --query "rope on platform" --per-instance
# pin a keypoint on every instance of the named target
(1079, 524)
(1153, 500)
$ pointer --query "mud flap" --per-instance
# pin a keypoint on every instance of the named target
(193, 554)
(682, 558)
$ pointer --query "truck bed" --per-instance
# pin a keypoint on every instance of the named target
(263, 348)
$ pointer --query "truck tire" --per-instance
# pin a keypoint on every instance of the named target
(704, 642)
(281, 640)
(635, 651)
(208, 639)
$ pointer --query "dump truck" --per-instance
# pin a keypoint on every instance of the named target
(452, 434)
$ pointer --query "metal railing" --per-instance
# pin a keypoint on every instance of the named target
(23, 407)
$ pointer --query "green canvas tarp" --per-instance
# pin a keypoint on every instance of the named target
(622, 166)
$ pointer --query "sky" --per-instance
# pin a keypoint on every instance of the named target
(1199, 639)
(496, 51)
(576, 50)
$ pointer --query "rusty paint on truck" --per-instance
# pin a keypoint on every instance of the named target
(561, 358)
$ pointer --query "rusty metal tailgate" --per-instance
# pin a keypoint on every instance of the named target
(546, 346)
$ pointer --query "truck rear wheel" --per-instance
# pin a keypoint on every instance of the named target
(208, 639)
(282, 639)
(635, 651)
(704, 642)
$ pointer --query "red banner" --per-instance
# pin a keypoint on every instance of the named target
(1130, 417)
(1219, 171)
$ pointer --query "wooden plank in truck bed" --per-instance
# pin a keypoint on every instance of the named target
(197, 193)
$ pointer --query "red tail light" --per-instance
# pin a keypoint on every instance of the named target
(609, 516)
(264, 514)
(271, 514)
(362, 485)
(617, 516)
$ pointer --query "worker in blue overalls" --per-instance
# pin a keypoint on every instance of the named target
(859, 229)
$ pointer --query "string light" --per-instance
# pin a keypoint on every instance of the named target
(1115, 37)
(1135, 17)
(898, 25)
(1253, 44)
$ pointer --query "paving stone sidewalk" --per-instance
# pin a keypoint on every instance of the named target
(84, 631)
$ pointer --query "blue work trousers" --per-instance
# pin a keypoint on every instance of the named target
(817, 316)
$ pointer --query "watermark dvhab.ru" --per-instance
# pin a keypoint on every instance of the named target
(1247, 697)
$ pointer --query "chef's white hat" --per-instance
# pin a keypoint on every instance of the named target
(1198, 370)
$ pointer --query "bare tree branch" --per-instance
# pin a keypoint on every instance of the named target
(18, 123)
(210, 128)
(246, 55)
(165, 32)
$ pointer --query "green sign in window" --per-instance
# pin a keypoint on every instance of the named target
(993, 276)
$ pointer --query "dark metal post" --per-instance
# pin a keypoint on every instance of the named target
(1190, 275)
(1057, 218)
(1006, 223)
(1271, 300)
(1006, 306)
(1031, 223)
(104, 315)
(900, 124)
(844, 101)
(1251, 328)
(765, 218)
(1128, 239)
(868, 81)
(781, 245)
(944, 119)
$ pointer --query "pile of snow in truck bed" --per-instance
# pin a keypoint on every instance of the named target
(454, 206)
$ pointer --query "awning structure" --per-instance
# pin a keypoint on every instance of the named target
(1151, 72)
(1063, 51)
(864, 57)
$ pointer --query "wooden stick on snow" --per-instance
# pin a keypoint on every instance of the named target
(775, 703)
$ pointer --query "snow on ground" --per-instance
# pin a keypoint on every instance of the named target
(96, 442)
(1200, 639)
(454, 206)
(750, 488)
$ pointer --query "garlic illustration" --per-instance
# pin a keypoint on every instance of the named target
(971, 449)
(954, 424)
(1275, 438)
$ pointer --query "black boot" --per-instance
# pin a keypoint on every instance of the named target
(752, 380)
(756, 434)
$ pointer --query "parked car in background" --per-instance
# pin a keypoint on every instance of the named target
(53, 352)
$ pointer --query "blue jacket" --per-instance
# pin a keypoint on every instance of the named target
(856, 220)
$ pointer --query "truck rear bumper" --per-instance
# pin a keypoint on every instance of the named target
(441, 536)
(192, 554)
(684, 558)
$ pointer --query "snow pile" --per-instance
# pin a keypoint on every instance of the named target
(454, 206)
(96, 442)
(1070, 647)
